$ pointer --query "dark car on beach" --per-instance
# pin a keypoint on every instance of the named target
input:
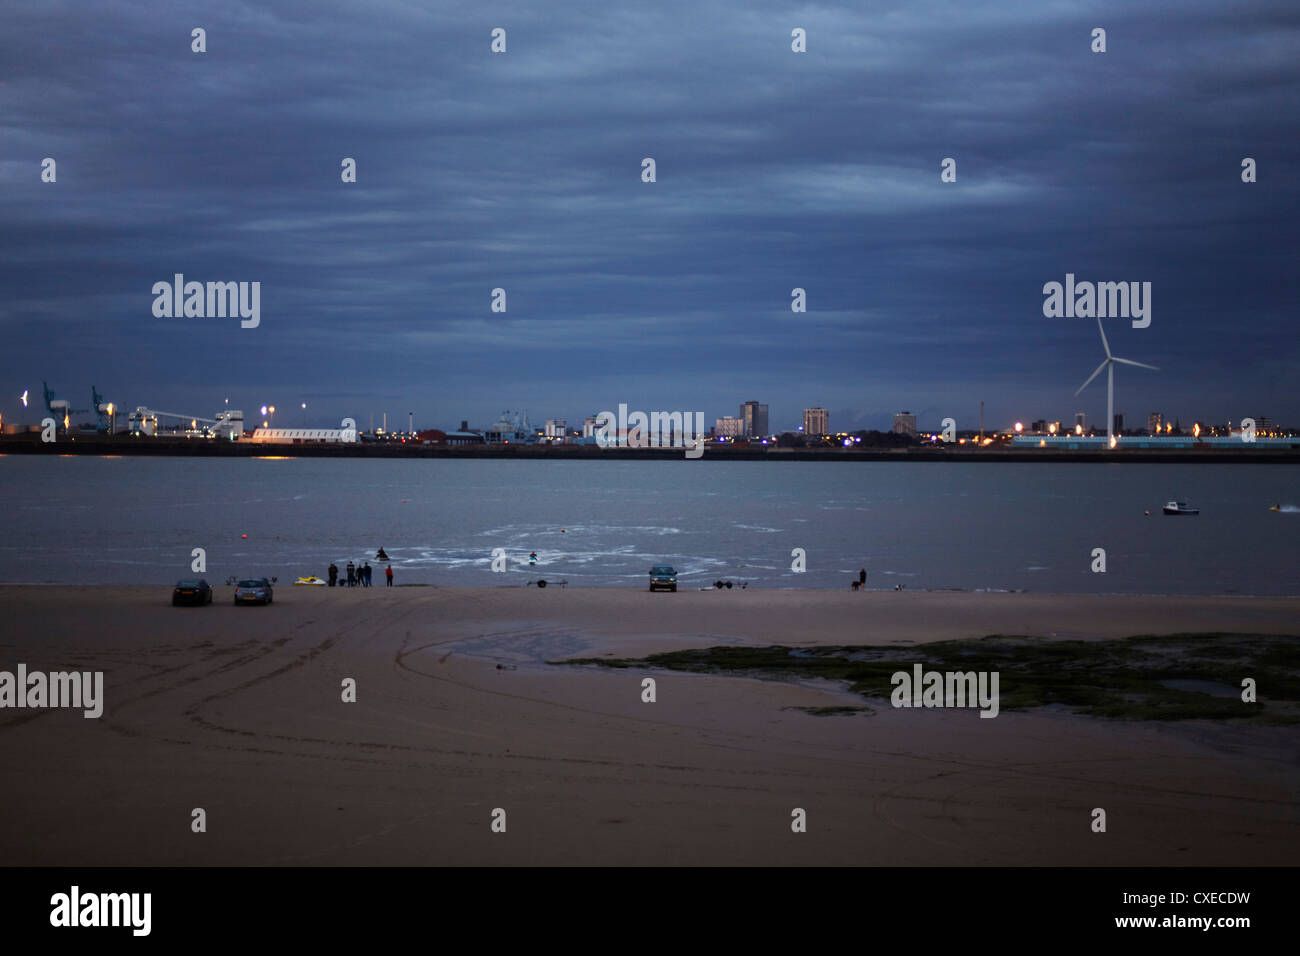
(253, 591)
(191, 591)
(662, 576)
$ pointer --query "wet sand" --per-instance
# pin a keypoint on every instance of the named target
(238, 711)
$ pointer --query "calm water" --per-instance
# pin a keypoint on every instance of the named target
(922, 525)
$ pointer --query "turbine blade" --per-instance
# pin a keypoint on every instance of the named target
(1138, 364)
(1104, 343)
(1093, 375)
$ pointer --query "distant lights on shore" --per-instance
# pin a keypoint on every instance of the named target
(1020, 426)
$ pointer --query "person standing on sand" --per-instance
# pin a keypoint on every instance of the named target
(352, 575)
(388, 572)
(367, 574)
(862, 577)
(334, 574)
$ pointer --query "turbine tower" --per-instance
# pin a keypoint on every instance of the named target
(1109, 365)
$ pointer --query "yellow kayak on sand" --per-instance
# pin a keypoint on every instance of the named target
(313, 580)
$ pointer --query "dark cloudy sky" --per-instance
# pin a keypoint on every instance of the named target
(775, 170)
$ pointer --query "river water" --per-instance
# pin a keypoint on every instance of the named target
(1004, 526)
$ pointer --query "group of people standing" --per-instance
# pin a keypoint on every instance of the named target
(359, 575)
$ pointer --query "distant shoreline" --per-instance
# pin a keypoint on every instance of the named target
(212, 448)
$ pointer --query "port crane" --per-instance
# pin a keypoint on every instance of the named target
(59, 408)
(103, 410)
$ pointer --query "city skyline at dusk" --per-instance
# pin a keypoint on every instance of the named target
(924, 281)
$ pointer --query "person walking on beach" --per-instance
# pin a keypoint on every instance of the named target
(388, 572)
(334, 574)
(367, 574)
(352, 575)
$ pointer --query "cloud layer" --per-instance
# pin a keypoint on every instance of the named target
(775, 170)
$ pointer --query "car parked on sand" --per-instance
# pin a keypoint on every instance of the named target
(191, 591)
(253, 591)
(662, 576)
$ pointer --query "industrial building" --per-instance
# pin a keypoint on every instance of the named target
(728, 427)
(299, 436)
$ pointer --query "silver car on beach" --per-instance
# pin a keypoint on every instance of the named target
(253, 591)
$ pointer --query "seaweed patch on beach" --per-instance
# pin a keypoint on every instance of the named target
(1145, 677)
(840, 711)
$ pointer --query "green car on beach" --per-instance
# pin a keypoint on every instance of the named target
(663, 576)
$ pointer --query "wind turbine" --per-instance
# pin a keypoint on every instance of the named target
(1109, 366)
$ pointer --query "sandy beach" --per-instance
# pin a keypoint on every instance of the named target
(238, 711)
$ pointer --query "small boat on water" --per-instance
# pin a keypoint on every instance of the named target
(1180, 508)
